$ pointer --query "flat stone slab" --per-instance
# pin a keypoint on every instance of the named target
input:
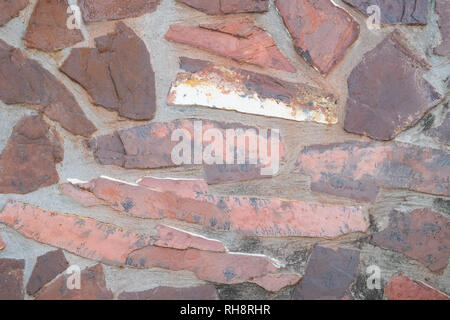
(235, 89)
(400, 287)
(322, 32)
(204, 292)
(398, 98)
(219, 7)
(25, 81)
(240, 40)
(10, 9)
(117, 74)
(11, 279)
(443, 11)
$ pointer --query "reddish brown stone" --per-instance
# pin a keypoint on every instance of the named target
(10, 9)
(47, 267)
(204, 292)
(2, 244)
(423, 235)
(398, 98)
(443, 11)
(169, 199)
(329, 275)
(47, 29)
(216, 7)
(99, 10)
(92, 287)
(28, 162)
(401, 287)
(442, 132)
(11, 279)
(357, 169)
(410, 12)
(276, 281)
(25, 81)
(239, 40)
(118, 74)
(322, 32)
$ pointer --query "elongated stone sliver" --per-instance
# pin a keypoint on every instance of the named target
(204, 292)
(219, 7)
(228, 88)
(2, 244)
(443, 11)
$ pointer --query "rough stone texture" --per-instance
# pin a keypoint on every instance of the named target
(11, 279)
(338, 169)
(240, 40)
(47, 268)
(442, 132)
(28, 162)
(150, 146)
(411, 12)
(99, 10)
(401, 287)
(399, 97)
(204, 292)
(92, 287)
(322, 32)
(10, 9)
(252, 216)
(47, 29)
(423, 235)
(248, 92)
(217, 7)
(329, 275)
(23, 80)
(117, 74)
(278, 281)
(443, 11)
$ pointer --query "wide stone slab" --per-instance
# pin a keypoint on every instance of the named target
(443, 11)
(219, 7)
(11, 279)
(10, 9)
(221, 87)
(400, 287)
(203, 292)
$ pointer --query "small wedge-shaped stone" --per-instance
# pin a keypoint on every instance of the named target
(92, 287)
(387, 91)
(204, 292)
(47, 29)
(410, 12)
(117, 74)
(357, 170)
(423, 235)
(329, 275)
(28, 162)
(10, 9)
(47, 267)
(443, 11)
(154, 198)
(322, 32)
(400, 287)
(11, 279)
(239, 40)
(442, 132)
(25, 81)
(217, 7)
(2, 244)
(248, 92)
(99, 10)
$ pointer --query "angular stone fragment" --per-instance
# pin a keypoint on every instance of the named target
(47, 29)
(166, 199)
(248, 92)
(117, 74)
(329, 275)
(2, 244)
(10, 9)
(322, 32)
(401, 287)
(92, 287)
(442, 132)
(423, 235)
(11, 279)
(99, 10)
(25, 81)
(47, 267)
(357, 169)
(28, 162)
(239, 40)
(203, 292)
(411, 12)
(155, 144)
(217, 7)
(396, 100)
(277, 281)
(443, 11)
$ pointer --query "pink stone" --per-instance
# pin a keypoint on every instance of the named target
(401, 287)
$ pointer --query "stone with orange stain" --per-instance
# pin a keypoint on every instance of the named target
(422, 234)
(10, 9)
(277, 281)
(322, 32)
(219, 7)
(154, 198)
(203, 292)
(400, 287)
(240, 40)
(357, 170)
(2, 244)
